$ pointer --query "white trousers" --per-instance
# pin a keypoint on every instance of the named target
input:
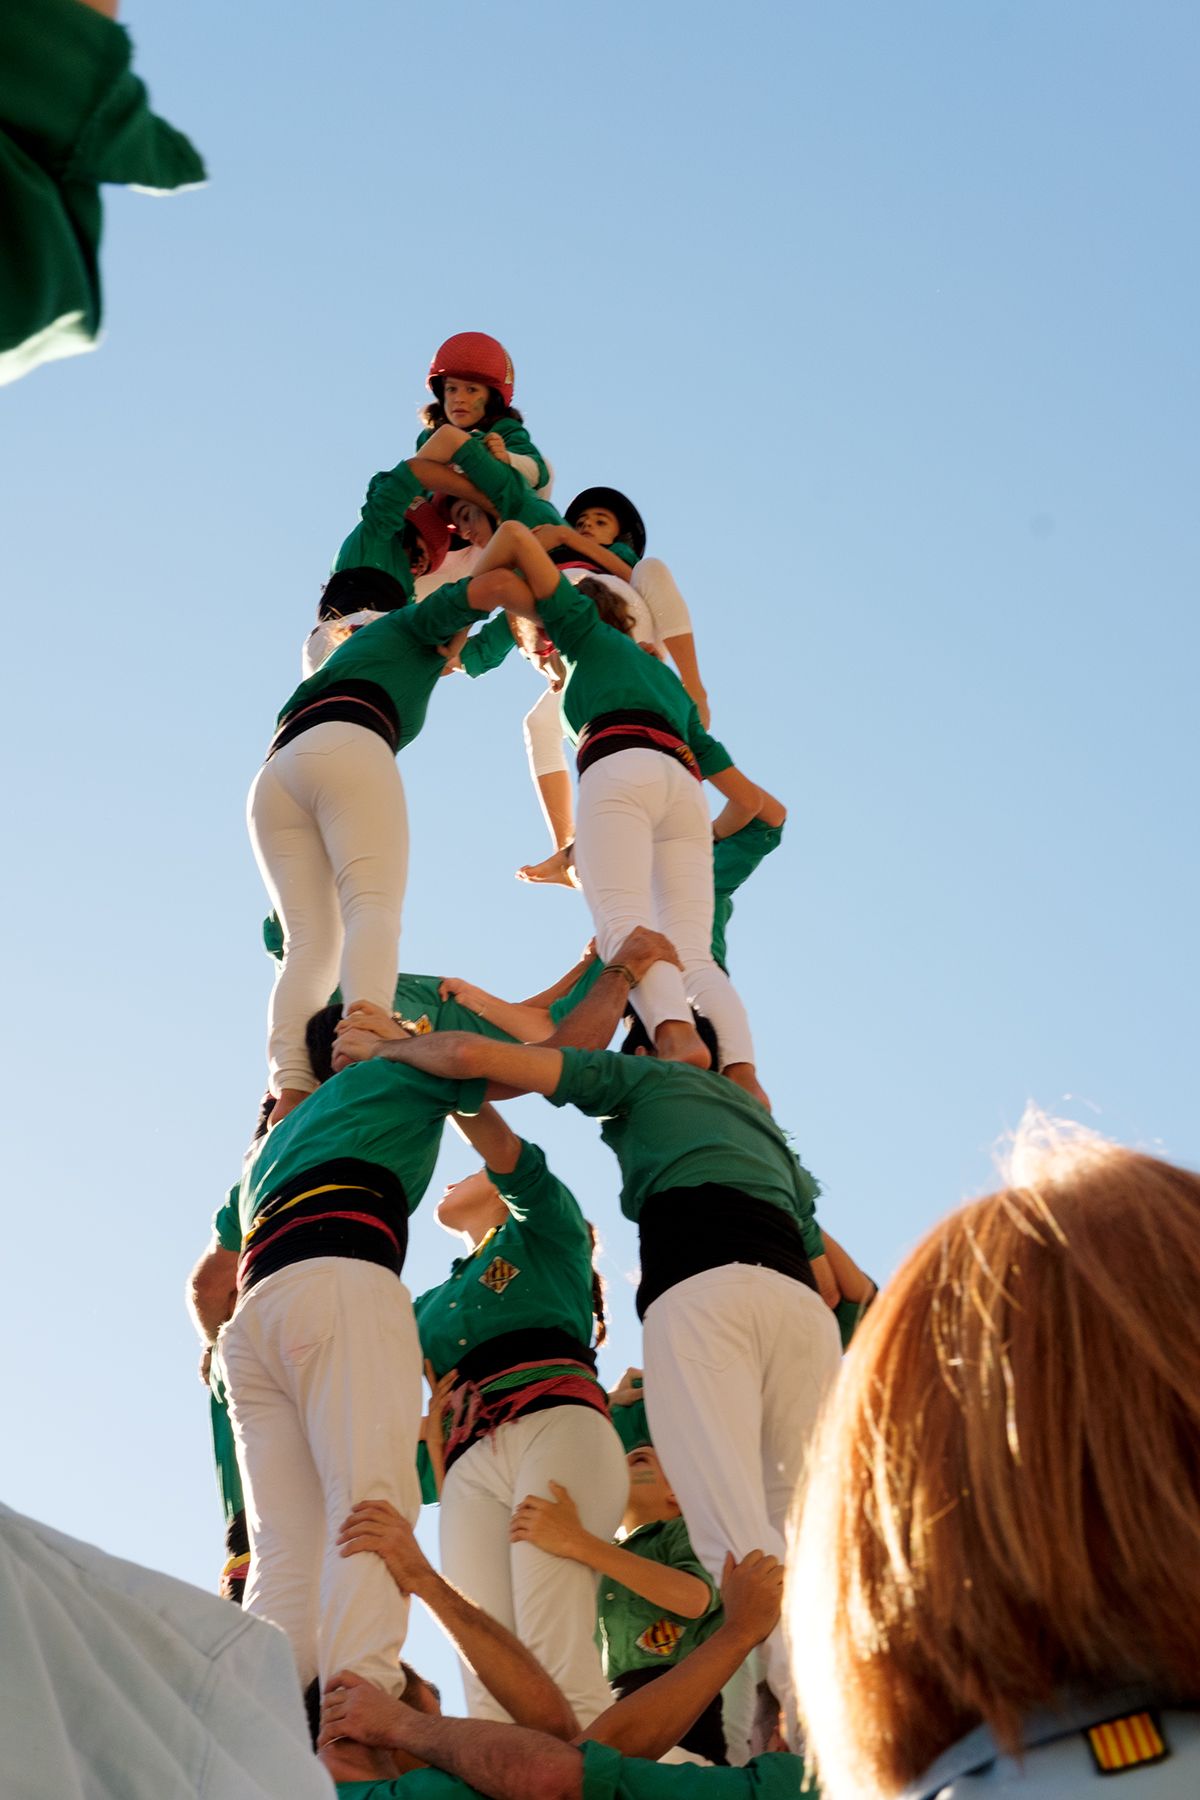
(324, 1372)
(643, 852)
(738, 1360)
(329, 828)
(548, 1601)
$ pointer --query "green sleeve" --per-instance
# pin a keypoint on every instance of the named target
(389, 496)
(487, 648)
(570, 617)
(598, 1082)
(227, 1223)
(806, 1188)
(423, 436)
(712, 756)
(566, 1002)
(518, 442)
(272, 936)
(434, 620)
(607, 1775)
(632, 1426)
(509, 492)
(531, 1188)
(429, 1493)
(850, 1315)
(69, 98)
(625, 551)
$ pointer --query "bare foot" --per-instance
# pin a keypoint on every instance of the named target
(743, 1074)
(556, 871)
(677, 1040)
(287, 1102)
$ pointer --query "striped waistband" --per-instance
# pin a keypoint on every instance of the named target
(352, 702)
(344, 1207)
(610, 732)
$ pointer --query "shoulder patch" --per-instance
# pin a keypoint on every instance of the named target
(660, 1638)
(498, 1274)
(1129, 1742)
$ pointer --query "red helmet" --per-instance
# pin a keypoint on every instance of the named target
(474, 356)
(432, 529)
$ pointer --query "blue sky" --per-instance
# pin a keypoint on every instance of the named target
(885, 316)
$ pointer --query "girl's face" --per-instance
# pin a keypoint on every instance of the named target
(471, 522)
(471, 1206)
(597, 523)
(463, 402)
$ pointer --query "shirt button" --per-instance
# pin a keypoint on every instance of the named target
(610, 1596)
(462, 1340)
(453, 1304)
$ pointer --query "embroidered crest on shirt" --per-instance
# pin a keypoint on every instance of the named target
(661, 1638)
(1129, 1742)
(498, 1274)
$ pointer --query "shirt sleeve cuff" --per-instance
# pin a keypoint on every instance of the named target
(601, 1772)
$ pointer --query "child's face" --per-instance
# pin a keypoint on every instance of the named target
(472, 523)
(597, 523)
(649, 1492)
(463, 402)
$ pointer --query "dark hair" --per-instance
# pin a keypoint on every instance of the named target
(597, 1288)
(433, 413)
(612, 609)
(638, 1038)
(319, 1035)
(265, 1108)
(362, 589)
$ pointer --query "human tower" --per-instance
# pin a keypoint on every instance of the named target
(458, 558)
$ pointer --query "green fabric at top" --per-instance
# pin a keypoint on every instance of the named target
(229, 1476)
(378, 1111)
(508, 491)
(632, 1425)
(625, 551)
(607, 1775)
(72, 115)
(487, 648)
(671, 1126)
(376, 541)
(398, 653)
(636, 1634)
(534, 1270)
(517, 442)
(735, 859)
(227, 1227)
(607, 672)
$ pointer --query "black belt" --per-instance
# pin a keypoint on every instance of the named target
(352, 702)
(611, 732)
(537, 1343)
(685, 1230)
(344, 1207)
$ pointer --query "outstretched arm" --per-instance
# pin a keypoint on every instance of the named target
(744, 801)
(491, 1137)
(555, 1526)
(511, 1674)
(523, 1020)
(566, 982)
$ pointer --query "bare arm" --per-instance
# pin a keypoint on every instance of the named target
(732, 817)
(744, 799)
(523, 1020)
(566, 982)
(854, 1284)
(504, 1762)
(555, 537)
(555, 1526)
(515, 547)
(492, 1137)
(440, 478)
(212, 1291)
(682, 651)
(506, 1668)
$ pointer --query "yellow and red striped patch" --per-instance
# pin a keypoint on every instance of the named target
(660, 1638)
(498, 1274)
(1129, 1742)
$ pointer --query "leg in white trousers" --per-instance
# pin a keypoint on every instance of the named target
(643, 852)
(324, 1372)
(329, 827)
(549, 1602)
(738, 1360)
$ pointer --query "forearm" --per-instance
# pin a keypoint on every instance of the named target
(491, 1137)
(506, 1668)
(741, 794)
(590, 1025)
(505, 1762)
(564, 984)
(673, 1589)
(651, 1721)
(514, 547)
(523, 1020)
(440, 478)
(597, 553)
(682, 651)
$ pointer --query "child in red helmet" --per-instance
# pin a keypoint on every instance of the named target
(471, 377)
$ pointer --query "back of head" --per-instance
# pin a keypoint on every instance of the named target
(1004, 1499)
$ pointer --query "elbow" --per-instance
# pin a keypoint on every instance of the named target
(499, 587)
(464, 1055)
(555, 1718)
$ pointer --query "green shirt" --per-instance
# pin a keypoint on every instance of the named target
(625, 551)
(378, 1111)
(398, 653)
(517, 442)
(487, 648)
(735, 859)
(72, 115)
(670, 1125)
(534, 1270)
(607, 1775)
(636, 1634)
(376, 541)
(632, 1425)
(508, 491)
(607, 672)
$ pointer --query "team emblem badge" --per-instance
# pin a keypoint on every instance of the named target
(498, 1274)
(1126, 1743)
(661, 1638)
